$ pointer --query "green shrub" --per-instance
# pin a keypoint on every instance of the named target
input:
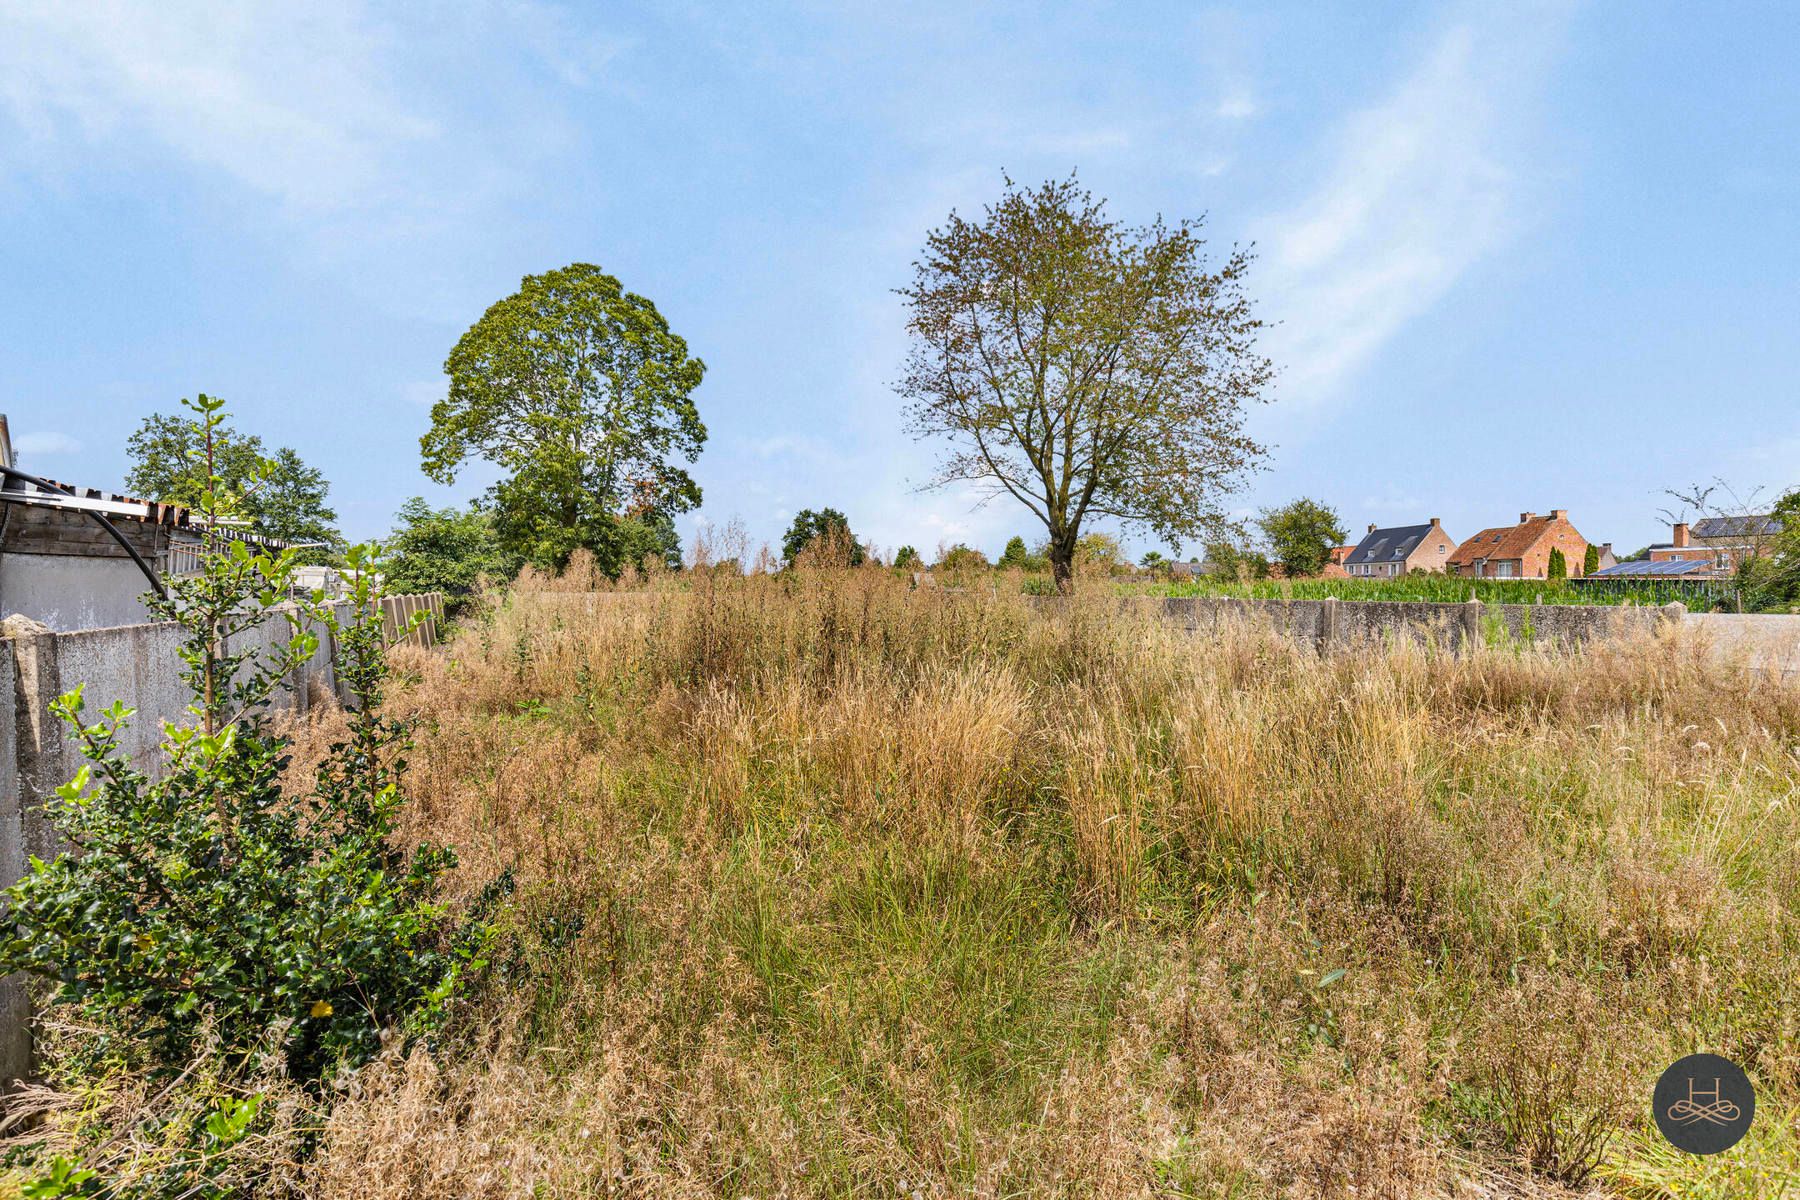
(213, 902)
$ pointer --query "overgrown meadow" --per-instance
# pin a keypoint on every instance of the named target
(827, 886)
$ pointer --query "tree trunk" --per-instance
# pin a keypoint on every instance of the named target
(1062, 562)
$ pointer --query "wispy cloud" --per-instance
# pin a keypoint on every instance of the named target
(358, 136)
(1236, 106)
(423, 393)
(1417, 189)
(294, 109)
(46, 443)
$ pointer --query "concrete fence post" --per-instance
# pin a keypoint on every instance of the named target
(1472, 613)
(39, 765)
(1328, 623)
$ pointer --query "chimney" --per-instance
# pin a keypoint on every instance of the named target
(1605, 549)
(1435, 522)
(1680, 533)
(1371, 527)
(1527, 516)
(1559, 514)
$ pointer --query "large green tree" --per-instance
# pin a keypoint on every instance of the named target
(827, 526)
(1301, 534)
(578, 390)
(1083, 367)
(276, 492)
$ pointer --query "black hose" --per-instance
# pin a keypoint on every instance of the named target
(155, 581)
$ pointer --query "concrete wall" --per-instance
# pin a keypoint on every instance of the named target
(69, 592)
(139, 665)
(1760, 641)
(1327, 623)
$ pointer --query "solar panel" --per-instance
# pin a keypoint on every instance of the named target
(1674, 566)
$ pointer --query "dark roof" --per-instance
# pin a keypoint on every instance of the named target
(1668, 566)
(1388, 545)
(1746, 526)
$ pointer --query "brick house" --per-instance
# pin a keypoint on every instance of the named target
(1384, 553)
(1721, 542)
(1521, 551)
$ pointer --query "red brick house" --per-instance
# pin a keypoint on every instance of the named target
(1521, 551)
(1723, 543)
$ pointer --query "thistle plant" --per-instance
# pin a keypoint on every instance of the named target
(210, 900)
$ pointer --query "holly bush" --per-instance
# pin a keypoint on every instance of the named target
(209, 901)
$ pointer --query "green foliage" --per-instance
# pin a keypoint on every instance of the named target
(278, 493)
(1590, 562)
(214, 902)
(649, 538)
(1017, 556)
(1302, 534)
(1426, 586)
(962, 557)
(1100, 553)
(445, 550)
(1771, 579)
(907, 559)
(579, 391)
(1558, 569)
(1084, 367)
(1236, 562)
(829, 529)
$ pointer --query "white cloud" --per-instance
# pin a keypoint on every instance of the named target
(371, 141)
(1419, 188)
(1236, 106)
(46, 443)
(295, 108)
(423, 393)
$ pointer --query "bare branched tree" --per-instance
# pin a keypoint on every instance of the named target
(1084, 368)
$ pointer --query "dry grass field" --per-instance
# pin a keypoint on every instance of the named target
(827, 887)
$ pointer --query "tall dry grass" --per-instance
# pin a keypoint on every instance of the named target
(833, 887)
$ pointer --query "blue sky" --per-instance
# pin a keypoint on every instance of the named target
(1522, 256)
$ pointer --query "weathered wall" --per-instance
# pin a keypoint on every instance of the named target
(67, 592)
(1760, 641)
(1328, 623)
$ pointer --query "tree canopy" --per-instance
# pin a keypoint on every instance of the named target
(1301, 534)
(828, 530)
(1083, 367)
(581, 393)
(1016, 555)
(276, 492)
